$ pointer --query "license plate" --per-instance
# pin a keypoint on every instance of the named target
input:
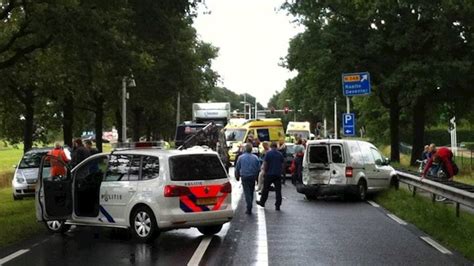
(206, 201)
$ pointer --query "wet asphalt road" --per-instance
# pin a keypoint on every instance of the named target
(323, 232)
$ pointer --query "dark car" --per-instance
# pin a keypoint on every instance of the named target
(290, 151)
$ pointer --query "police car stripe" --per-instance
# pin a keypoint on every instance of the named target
(106, 214)
(220, 201)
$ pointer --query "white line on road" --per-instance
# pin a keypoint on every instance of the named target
(373, 204)
(396, 219)
(436, 245)
(199, 253)
(13, 255)
(262, 244)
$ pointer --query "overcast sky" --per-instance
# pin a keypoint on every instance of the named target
(252, 36)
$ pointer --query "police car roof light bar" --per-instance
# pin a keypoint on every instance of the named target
(139, 145)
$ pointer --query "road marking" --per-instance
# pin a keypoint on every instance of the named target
(199, 253)
(436, 245)
(262, 244)
(201, 250)
(13, 255)
(373, 204)
(396, 219)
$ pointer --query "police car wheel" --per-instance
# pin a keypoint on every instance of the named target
(143, 225)
(57, 226)
(210, 230)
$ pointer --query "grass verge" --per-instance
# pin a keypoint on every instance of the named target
(437, 220)
(17, 218)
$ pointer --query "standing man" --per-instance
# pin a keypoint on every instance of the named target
(274, 165)
(79, 152)
(58, 169)
(247, 168)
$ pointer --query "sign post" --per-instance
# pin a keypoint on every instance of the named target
(348, 124)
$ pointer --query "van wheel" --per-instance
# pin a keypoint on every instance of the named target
(57, 226)
(310, 197)
(394, 182)
(210, 230)
(361, 190)
(143, 225)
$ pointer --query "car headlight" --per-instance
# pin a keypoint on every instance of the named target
(20, 179)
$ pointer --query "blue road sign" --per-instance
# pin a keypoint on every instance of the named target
(356, 83)
(348, 124)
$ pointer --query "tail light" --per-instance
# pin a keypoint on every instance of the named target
(349, 171)
(176, 191)
(226, 188)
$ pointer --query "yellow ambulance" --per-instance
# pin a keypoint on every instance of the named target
(263, 129)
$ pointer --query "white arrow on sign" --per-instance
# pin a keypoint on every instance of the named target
(348, 131)
(364, 77)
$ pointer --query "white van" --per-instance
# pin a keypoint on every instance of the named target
(144, 190)
(332, 167)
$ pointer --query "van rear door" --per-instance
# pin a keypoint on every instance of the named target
(317, 161)
(337, 165)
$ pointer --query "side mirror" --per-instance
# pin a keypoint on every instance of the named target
(387, 161)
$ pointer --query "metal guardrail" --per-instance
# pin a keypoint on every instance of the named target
(454, 191)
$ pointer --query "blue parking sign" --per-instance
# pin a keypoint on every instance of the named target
(356, 83)
(348, 124)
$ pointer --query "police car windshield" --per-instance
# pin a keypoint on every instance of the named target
(235, 134)
(196, 167)
(31, 160)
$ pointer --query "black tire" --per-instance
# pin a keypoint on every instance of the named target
(361, 190)
(143, 225)
(17, 197)
(394, 182)
(57, 227)
(310, 197)
(210, 229)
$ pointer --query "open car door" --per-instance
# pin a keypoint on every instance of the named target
(53, 190)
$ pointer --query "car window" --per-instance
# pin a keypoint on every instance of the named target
(31, 160)
(377, 156)
(235, 134)
(134, 170)
(151, 167)
(196, 167)
(92, 168)
(118, 168)
(336, 154)
(318, 154)
(263, 134)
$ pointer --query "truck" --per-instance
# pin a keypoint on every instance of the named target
(218, 113)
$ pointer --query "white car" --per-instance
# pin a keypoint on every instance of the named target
(335, 166)
(144, 190)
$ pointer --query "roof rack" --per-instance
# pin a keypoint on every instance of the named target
(138, 145)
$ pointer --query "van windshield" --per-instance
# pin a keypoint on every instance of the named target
(31, 160)
(235, 134)
(196, 167)
(318, 154)
(300, 134)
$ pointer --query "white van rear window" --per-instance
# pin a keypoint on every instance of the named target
(318, 154)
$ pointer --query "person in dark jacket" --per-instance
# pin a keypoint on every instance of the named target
(274, 166)
(79, 152)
